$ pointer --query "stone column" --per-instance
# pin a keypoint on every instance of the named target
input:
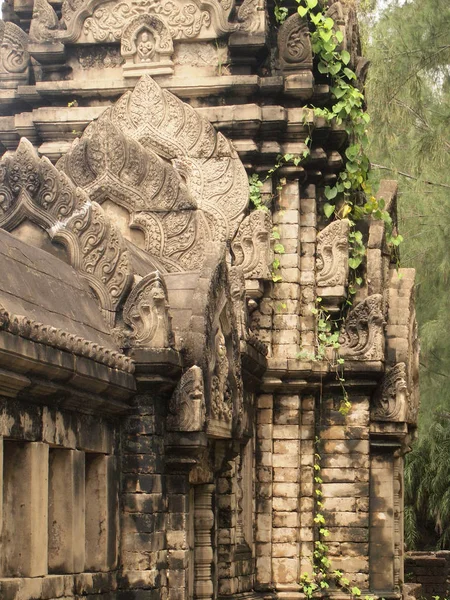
(25, 511)
(263, 489)
(286, 489)
(101, 512)
(66, 504)
(203, 552)
(345, 474)
(1, 487)
(381, 520)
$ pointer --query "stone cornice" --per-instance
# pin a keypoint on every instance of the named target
(63, 340)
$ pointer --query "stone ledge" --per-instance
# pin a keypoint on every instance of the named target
(51, 587)
(76, 382)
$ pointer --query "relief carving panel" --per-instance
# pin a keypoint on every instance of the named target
(362, 337)
(14, 55)
(146, 312)
(187, 410)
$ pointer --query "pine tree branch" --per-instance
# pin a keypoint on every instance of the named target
(409, 176)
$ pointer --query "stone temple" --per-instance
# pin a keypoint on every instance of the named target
(161, 397)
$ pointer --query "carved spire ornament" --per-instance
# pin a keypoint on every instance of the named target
(44, 22)
(391, 400)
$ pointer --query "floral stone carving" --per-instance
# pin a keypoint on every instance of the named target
(146, 311)
(94, 21)
(182, 183)
(147, 47)
(187, 404)
(251, 245)
(14, 55)
(32, 188)
(332, 262)
(362, 337)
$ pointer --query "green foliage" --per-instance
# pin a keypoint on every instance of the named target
(408, 93)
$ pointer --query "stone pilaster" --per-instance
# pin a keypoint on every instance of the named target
(345, 473)
(263, 490)
(66, 504)
(285, 492)
(382, 521)
(101, 507)
(286, 293)
(308, 234)
(306, 478)
(144, 518)
(203, 553)
(25, 510)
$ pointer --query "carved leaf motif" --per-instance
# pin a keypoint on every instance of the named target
(44, 22)
(294, 44)
(391, 399)
(251, 245)
(249, 16)
(362, 337)
(146, 311)
(109, 165)
(14, 56)
(332, 255)
(187, 404)
(152, 153)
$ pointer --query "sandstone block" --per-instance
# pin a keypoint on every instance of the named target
(25, 510)
(66, 547)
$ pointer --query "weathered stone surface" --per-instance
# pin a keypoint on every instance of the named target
(138, 263)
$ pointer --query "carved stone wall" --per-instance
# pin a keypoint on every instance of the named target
(153, 356)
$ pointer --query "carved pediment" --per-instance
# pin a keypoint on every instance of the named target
(187, 404)
(32, 188)
(14, 55)
(181, 182)
(362, 337)
(146, 312)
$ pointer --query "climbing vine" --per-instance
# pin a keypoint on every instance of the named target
(323, 575)
(350, 197)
